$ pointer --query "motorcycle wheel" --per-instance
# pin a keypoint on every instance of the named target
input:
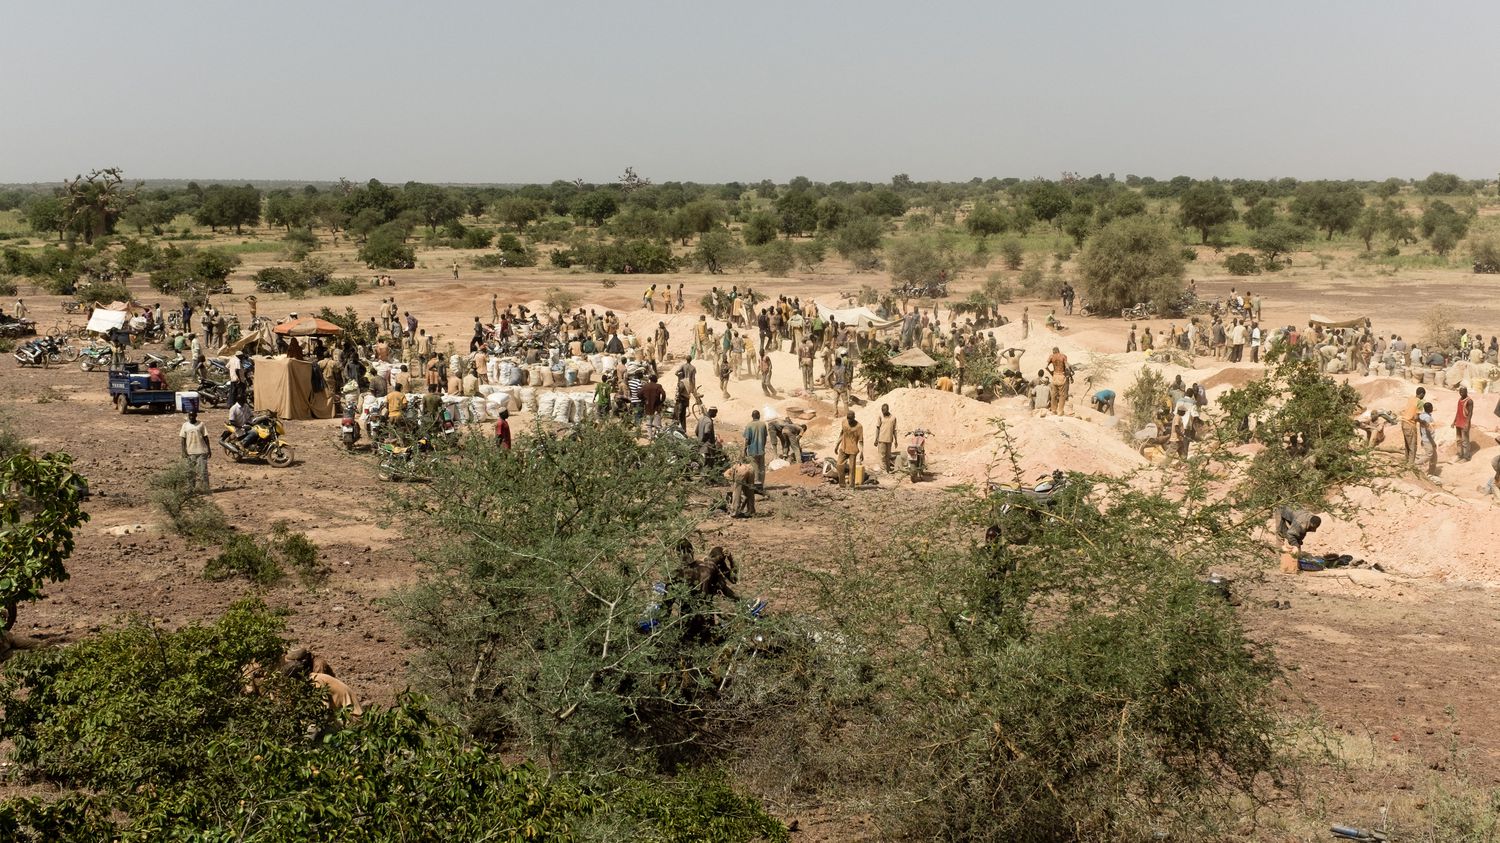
(120, 405)
(280, 456)
(69, 354)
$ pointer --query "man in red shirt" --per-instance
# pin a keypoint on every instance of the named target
(502, 430)
(653, 398)
(1462, 421)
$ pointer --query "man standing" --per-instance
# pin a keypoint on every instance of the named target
(653, 396)
(1130, 343)
(1409, 425)
(708, 440)
(851, 448)
(723, 373)
(755, 447)
(765, 375)
(885, 438)
(1461, 422)
(194, 439)
(1057, 365)
(1025, 322)
(502, 430)
(1429, 441)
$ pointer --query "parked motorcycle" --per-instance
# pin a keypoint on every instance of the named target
(212, 394)
(44, 351)
(916, 454)
(266, 444)
(349, 426)
(406, 462)
(176, 361)
(95, 357)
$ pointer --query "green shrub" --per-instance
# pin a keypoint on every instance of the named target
(777, 258)
(386, 248)
(279, 279)
(1486, 257)
(342, 287)
(475, 238)
(190, 514)
(7, 285)
(265, 561)
(102, 293)
(243, 556)
(1012, 252)
(563, 258)
(1032, 280)
(1242, 263)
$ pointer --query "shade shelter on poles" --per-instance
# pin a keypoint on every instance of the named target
(308, 327)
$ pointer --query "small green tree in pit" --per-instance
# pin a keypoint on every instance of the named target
(1131, 260)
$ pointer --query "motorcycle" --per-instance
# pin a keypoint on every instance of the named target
(163, 363)
(916, 453)
(213, 394)
(95, 356)
(349, 426)
(266, 444)
(405, 462)
(44, 351)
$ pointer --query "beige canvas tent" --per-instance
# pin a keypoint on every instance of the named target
(285, 385)
(1330, 324)
(914, 357)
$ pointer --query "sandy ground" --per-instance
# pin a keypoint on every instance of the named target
(1381, 657)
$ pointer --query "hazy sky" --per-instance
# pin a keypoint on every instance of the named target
(714, 91)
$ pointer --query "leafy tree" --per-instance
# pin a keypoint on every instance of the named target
(884, 202)
(152, 214)
(1206, 206)
(1131, 260)
(519, 211)
(1046, 200)
(987, 219)
(529, 623)
(861, 236)
(289, 210)
(797, 211)
(920, 261)
(776, 258)
(152, 736)
(1444, 238)
(717, 251)
(386, 248)
(40, 507)
(431, 204)
(595, 207)
(1260, 215)
(1440, 215)
(225, 207)
(1279, 238)
(760, 228)
(1077, 222)
(703, 215)
(1368, 226)
(1241, 263)
(1388, 188)
(191, 274)
(1443, 184)
(636, 221)
(46, 214)
(832, 214)
(1331, 207)
(1398, 225)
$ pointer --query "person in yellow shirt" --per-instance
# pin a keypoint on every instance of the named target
(395, 404)
(1409, 426)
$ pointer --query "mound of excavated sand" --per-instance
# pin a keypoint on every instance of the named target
(967, 444)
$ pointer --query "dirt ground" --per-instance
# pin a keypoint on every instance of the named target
(1396, 666)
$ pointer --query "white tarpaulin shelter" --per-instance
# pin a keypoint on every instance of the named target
(102, 321)
(860, 317)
